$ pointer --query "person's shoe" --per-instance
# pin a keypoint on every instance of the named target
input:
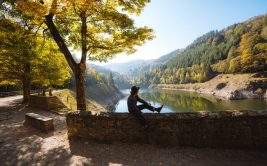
(159, 109)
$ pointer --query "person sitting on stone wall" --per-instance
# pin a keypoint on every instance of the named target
(135, 109)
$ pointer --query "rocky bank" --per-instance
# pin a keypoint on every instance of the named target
(228, 86)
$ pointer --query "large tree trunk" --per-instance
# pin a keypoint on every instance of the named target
(26, 91)
(77, 69)
(50, 92)
(80, 87)
(26, 81)
(44, 91)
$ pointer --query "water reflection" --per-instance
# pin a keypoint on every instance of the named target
(181, 101)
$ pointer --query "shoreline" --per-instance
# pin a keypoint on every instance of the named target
(235, 87)
(235, 95)
(196, 91)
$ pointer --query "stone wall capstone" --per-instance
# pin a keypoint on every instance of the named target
(225, 129)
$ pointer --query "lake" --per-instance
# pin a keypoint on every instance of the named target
(182, 101)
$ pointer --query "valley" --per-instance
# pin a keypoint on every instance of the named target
(230, 64)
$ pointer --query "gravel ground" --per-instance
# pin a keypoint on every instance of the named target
(21, 145)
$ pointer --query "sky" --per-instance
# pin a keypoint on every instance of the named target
(177, 23)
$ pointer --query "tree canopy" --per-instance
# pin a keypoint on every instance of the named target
(26, 58)
(53, 69)
(99, 29)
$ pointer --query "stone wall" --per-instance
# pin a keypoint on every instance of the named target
(38, 121)
(46, 102)
(226, 129)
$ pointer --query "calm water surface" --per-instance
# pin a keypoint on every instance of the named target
(181, 101)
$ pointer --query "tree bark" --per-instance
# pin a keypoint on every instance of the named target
(60, 41)
(83, 33)
(80, 87)
(77, 69)
(44, 91)
(26, 91)
(26, 81)
(50, 92)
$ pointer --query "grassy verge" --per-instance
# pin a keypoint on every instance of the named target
(68, 98)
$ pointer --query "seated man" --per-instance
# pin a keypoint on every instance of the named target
(135, 109)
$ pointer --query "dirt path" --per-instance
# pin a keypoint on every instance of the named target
(8, 101)
(26, 146)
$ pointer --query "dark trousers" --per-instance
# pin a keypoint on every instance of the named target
(138, 114)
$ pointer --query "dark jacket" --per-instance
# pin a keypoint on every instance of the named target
(132, 103)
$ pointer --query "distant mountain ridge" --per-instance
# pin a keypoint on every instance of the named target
(133, 68)
(123, 68)
(168, 56)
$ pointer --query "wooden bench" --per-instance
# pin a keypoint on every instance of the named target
(38, 121)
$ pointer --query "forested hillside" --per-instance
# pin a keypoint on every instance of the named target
(121, 81)
(101, 88)
(240, 48)
(151, 64)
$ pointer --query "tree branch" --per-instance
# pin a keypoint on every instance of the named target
(60, 42)
(84, 34)
(38, 28)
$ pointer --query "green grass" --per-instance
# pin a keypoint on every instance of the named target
(68, 98)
